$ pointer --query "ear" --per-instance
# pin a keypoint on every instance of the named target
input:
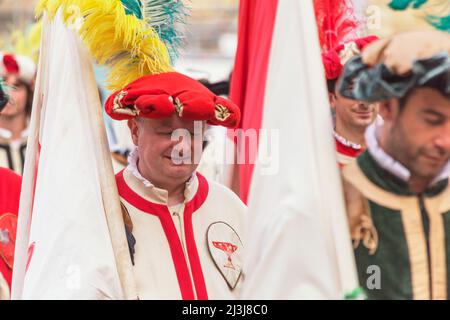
(332, 99)
(134, 130)
(389, 109)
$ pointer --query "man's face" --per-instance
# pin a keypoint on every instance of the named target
(161, 150)
(419, 134)
(17, 97)
(352, 113)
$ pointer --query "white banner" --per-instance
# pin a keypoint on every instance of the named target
(64, 233)
(298, 242)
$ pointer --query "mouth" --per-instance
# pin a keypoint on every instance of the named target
(434, 159)
(182, 160)
(364, 114)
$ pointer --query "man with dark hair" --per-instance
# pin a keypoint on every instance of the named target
(352, 117)
(397, 192)
(9, 204)
(18, 73)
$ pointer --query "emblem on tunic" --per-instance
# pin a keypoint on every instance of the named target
(229, 249)
(226, 248)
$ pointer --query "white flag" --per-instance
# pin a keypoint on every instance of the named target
(64, 249)
(298, 242)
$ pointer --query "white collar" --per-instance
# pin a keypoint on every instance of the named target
(6, 134)
(390, 164)
(346, 142)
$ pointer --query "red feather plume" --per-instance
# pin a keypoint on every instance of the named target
(335, 21)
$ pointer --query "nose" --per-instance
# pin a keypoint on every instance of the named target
(442, 141)
(182, 145)
(364, 105)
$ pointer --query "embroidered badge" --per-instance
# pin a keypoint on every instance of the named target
(118, 100)
(178, 107)
(222, 113)
(119, 108)
(225, 248)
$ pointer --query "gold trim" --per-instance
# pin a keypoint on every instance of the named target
(417, 247)
(353, 174)
(360, 221)
(178, 107)
(222, 113)
(412, 224)
(436, 207)
(119, 108)
(344, 159)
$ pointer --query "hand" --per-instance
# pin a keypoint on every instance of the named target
(399, 51)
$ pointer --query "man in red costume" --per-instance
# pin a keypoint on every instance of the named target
(351, 117)
(10, 184)
(338, 34)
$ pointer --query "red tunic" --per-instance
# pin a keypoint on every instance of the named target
(10, 184)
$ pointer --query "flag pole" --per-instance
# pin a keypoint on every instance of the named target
(108, 186)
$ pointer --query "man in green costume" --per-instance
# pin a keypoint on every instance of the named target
(397, 192)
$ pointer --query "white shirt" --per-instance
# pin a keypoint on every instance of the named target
(391, 165)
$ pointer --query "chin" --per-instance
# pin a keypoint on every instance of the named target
(429, 171)
(363, 122)
(9, 111)
(179, 172)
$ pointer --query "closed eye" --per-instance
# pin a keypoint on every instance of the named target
(433, 118)
(434, 121)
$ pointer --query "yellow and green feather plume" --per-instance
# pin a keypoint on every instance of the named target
(118, 35)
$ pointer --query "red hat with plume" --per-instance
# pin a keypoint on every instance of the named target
(162, 95)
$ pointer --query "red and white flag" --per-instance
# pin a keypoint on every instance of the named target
(298, 243)
(256, 23)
